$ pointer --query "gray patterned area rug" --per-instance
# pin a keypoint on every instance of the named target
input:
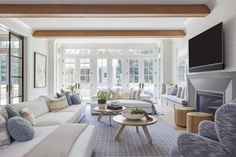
(131, 143)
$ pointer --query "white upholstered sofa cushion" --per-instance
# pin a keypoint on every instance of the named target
(37, 106)
(56, 118)
(134, 103)
(82, 147)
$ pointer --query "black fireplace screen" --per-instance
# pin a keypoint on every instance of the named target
(209, 101)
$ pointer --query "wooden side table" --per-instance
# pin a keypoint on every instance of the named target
(194, 118)
(181, 115)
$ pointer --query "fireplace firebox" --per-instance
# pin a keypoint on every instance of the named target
(209, 101)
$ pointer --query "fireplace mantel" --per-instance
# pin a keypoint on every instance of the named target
(222, 82)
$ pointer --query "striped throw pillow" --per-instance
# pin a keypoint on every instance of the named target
(57, 104)
(5, 139)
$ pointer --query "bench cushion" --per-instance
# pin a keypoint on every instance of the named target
(174, 99)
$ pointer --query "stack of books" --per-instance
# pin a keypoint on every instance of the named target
(114, 106)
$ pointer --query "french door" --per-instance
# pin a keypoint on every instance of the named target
(143, 74)
(11, 68)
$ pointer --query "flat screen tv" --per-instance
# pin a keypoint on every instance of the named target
(206, 50)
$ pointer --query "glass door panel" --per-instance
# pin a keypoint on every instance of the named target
(16, 68)
(85, 68)
(148, 86)
(4, 72)
(134, 73)
(117, 76)
(101, 74)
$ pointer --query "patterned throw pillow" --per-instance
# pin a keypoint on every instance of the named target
(163, 88)
(5, 139)
(11, 112)
(20, 129)
(57, 104)
(3, 112)
(75, 99)
(28, 115)
(179, 92)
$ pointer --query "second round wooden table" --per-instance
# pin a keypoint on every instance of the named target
(142, 122)
(107, 111)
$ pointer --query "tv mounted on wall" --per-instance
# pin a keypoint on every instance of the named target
(206, 50)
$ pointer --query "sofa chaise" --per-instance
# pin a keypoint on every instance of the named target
(142, 103)
(47, 122)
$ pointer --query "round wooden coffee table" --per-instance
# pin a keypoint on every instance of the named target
(107, 111)
(142, 122)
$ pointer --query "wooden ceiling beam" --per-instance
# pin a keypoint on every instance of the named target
(103, 10)
(109, 33)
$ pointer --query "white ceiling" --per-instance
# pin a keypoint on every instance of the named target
(104, 23)
(102, 1)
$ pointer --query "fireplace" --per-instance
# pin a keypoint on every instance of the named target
(209, 101)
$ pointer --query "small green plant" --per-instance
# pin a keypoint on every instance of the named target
(71, 87)
(136, 111)
(103, 95)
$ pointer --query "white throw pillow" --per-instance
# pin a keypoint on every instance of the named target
(57, 104)
(115, 94)
(28, 115)
(125, 94)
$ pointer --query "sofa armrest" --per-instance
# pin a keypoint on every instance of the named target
(207, 129)
(194, 145)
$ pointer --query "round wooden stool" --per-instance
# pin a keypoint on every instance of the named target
(181, 115)
(194, 118)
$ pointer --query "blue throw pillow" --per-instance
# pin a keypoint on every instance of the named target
(11, 111)
(75, 99)
(174, 90)
(20, 129)
(67, 94)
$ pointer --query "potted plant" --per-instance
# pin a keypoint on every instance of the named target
(102, 96)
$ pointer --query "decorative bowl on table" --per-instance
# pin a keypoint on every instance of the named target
(133, 114)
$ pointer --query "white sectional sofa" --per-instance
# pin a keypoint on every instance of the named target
(83, 146)
(72, 114)
(47, 122)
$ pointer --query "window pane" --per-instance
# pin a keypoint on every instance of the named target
(116, 73)
(101, 73)
(16, 66)
(16, 46)
(16, 87)
(133, 73)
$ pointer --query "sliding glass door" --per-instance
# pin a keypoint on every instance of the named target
(11, 68)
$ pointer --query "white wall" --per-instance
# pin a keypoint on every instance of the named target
(40, 46)
(31, 45)
(222, 11)
(166, 62)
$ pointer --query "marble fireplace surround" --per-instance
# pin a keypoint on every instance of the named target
(215, 82)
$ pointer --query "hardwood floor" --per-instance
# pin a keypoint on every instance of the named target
(167, 114)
